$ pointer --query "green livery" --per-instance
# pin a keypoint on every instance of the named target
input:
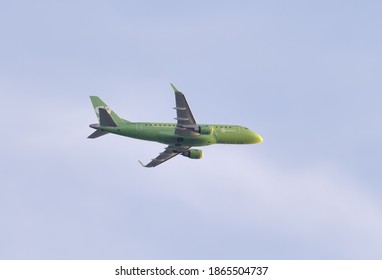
(179, 137)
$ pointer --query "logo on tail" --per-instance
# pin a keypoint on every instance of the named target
(96, 109)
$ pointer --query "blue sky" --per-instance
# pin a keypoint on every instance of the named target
(306, 75)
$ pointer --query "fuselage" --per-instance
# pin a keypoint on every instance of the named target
(165, 133)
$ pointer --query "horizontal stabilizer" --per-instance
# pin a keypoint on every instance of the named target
(97, 133)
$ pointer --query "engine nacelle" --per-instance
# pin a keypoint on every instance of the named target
(205, 129)
(193, 153)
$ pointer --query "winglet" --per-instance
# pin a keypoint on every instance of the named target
(174, 88)
(141, 163)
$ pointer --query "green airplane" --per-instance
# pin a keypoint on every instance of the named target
(179, 137)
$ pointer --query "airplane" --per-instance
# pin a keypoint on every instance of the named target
(179, 136)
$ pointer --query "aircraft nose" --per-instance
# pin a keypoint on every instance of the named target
(256, 138)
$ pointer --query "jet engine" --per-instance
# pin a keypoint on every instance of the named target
(193, 153)
(205, 129)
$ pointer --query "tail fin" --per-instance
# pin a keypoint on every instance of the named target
(105, 115)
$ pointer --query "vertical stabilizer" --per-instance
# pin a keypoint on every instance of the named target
(103, 111)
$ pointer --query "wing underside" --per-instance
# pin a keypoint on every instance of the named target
(169, 152)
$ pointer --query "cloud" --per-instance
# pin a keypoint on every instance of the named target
(318, 211)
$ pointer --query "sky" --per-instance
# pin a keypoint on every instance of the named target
(305, 75)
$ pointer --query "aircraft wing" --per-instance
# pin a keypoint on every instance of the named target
(169, 152)
(186, 123)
